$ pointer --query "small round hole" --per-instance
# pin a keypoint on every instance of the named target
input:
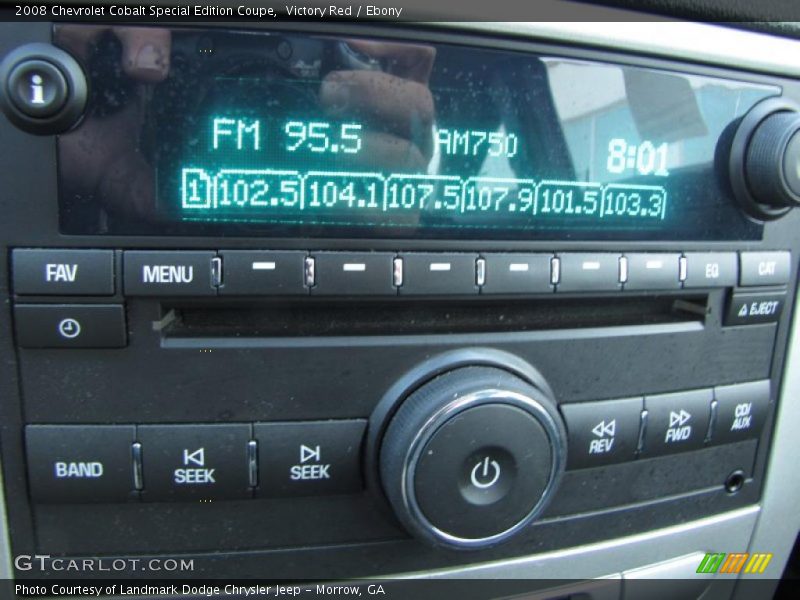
(734, 482)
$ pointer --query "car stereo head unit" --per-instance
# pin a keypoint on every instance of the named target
(335, 303)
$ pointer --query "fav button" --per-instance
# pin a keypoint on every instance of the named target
(676, 422)
(63, 272)
(195, 462)
(80, 463)
(70, 325)
(309, 458)
(150, 273)
(602, 433)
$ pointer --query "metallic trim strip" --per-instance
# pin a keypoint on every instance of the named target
(604, 559)
(697, 42)
(777, 529)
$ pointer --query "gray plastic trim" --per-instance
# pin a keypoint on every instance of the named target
(5, 545)
(779, 523)
(696, 42)
(607, 559)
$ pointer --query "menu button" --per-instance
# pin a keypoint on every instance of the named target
(149, 273)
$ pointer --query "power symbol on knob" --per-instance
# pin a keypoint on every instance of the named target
(485, 474)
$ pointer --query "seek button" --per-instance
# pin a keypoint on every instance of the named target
(309, 458)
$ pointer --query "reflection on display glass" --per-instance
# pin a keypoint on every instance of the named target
(258, 133)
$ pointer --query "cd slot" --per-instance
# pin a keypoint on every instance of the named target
(349, 318)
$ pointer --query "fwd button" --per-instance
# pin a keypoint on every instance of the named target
(309, 458)
(676, 422)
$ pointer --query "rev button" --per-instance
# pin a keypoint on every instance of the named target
(80, 463)
(200, 462)
(309, 458)
(602, 433)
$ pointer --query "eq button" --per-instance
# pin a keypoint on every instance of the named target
(711, 269)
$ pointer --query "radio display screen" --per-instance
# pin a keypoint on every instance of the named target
(215, 132)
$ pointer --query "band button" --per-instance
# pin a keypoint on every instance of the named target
(80, 463)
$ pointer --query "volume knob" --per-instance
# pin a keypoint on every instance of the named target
(473, 456)
(773, 160)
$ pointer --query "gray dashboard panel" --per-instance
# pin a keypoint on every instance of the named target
(772, 528)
